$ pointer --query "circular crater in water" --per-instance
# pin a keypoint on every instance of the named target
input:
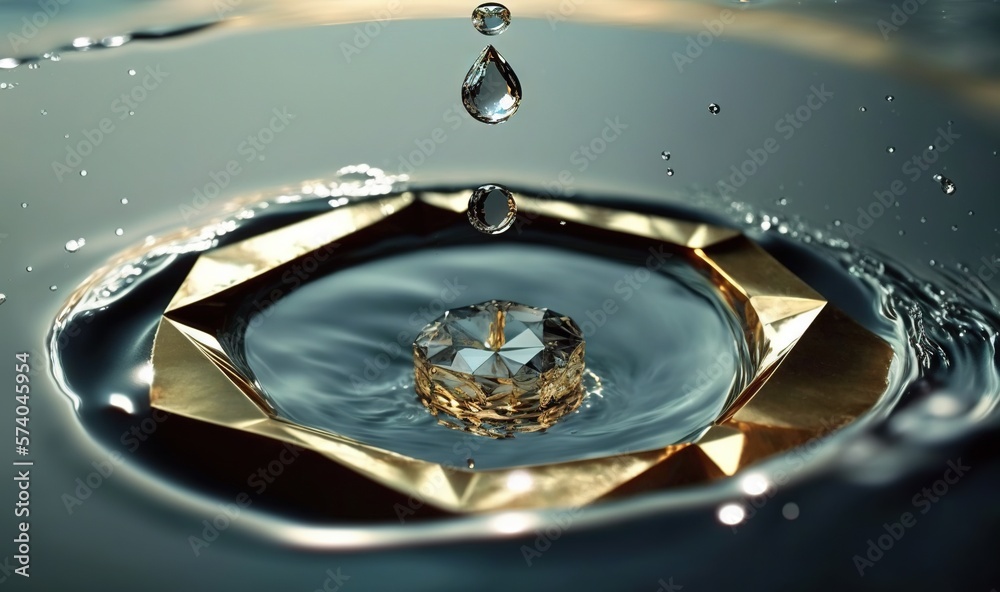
(663, 353)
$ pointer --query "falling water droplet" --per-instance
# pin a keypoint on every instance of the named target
(83, 173)
(782, 201)
(923, 220)
(890, 98)
(470, 462)
(491, 18)
(714, 108)
(131, 72)
(28, 269)
(481, 200)
(119, 231)
(24, 204)
(890, 149)
(491, 92)
(947, 185)
(665, 155)
(124, 201)
(75, 245)
(670, 172)
(972, 212)
(53, 288)
(862, 108)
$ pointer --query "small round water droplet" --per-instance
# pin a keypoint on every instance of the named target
(66, 136)
(32, 66)
(670, 172)
(131, 72)
(491, 18)
(954, 227)
(972, 212)
(862, 108)
(53, 288)
(470, 462)
(494, 198)
(75, 245)
(83, 173)
(119, 231)
(890, 98)
(28, 269)
(491, 91)
(24, 204)
(930, 146)
(124, 201)
(923, 220)
(890, 149)
(902, 233)
(665, 155)
(714, 108)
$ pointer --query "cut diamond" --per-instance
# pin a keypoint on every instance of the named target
(499, 367)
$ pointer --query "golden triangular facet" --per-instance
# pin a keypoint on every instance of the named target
(724, 445)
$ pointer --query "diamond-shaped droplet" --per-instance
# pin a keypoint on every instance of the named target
(491, 92)
(500, 367)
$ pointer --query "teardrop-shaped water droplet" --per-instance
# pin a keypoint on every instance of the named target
(947, 185)
(491, 92)
(491, 18)
(486, 209)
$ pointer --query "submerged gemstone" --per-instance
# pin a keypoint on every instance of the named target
(491, 92)
(499, 367)
(491, 18)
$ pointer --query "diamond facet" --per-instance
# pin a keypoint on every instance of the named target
(499, 367)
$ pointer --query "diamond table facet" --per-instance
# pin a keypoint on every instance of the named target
(499, 367)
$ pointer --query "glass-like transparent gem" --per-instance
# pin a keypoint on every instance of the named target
(491, 18)
(491, 91)
(499, 367)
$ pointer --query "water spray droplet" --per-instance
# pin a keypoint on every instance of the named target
(890, 149)
(124, 201)
(75, 245)
(470, 462)
(714, 108)
(44, 112)
(131, 72)
(83, 173)
(890, 98)
(119, 231)
(53, 288)
(947, 185)
(491, 18)
(790, 511)
(478, 204)
(491, 91)
(954, 227)
(28, 269)
(24, 204)
(862, 108)
(670, 172)
(665, 155)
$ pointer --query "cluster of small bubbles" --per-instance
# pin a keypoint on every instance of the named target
(131, 72)
(32, 66)
(83, 173)
(890, 98)
(714, 108)
(491, 18)
(890, 149)
(670, 172)
(119, 231)
(665, 155)
(73, 246)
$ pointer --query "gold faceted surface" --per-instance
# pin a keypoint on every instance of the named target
(500, 367)
(814, 369)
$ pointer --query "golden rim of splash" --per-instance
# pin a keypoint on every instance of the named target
(814, 369)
